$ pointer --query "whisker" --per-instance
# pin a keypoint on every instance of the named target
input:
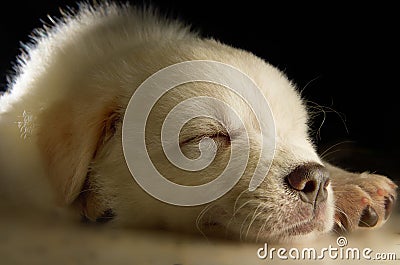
(237, 199)
(333, 146)
(325, 156)
(200, 216)
(244, 204)
(262, 228)
(324, 110)
(235, 210)
(242, 226)
(254, 217)
(308, 83)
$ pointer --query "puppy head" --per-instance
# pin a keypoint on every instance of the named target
(81, 141)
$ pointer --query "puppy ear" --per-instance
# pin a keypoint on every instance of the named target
(69, 138)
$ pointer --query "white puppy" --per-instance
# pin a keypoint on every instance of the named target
(61, 135)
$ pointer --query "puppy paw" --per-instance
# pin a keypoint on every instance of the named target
(362, 201)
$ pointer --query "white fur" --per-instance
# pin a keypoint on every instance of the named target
(91, 63)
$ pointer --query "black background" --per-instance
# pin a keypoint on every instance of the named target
(346, 58)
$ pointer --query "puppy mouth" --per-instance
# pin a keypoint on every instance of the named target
(310, 224)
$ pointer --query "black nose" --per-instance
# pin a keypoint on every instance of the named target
(310, 181)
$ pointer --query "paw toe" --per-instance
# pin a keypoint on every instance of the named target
(389, 201)
(369, 217)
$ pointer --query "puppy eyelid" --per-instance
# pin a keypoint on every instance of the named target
(212, 136)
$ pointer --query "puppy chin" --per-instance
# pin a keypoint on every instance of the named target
(326, 218)
(321, 224)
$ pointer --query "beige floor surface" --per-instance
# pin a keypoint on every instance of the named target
(32, 240)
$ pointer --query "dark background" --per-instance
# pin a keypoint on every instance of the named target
(345, 57)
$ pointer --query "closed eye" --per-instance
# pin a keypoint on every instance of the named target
(218, 137)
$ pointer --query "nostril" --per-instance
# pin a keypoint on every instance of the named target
(309, 187)
(310, 181)
(302, 179)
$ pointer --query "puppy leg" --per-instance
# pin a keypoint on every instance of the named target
(362, 200)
